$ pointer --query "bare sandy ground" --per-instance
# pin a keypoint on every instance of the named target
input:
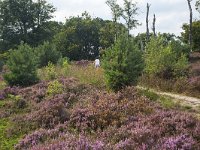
(192, 101)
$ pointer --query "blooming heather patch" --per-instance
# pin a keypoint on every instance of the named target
(109, 110)
(72, 143)
(160, 130)
(85, 117)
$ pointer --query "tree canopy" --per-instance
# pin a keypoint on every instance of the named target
(196, 34)
(84, 37)
(20, 20)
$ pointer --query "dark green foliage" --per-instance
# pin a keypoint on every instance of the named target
(22, 66)
(85, 37)
(123, 64)
(3, 58)
(24, 20)
(195, 37)
(80, 38)
(47, 53)
(109, 31)
(44, 32)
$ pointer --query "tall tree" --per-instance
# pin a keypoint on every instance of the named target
(197, 4)
(147, 22)
(85, 37)
(116, 13)
(20, 17)
(129, 12)
(195, 32)
(115, 8)
(190, 29)
(79, 38)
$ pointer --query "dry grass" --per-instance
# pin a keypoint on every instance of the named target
(85, 74)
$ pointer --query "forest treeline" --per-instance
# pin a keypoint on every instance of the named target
(29, 39)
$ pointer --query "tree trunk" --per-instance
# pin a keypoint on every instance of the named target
(190, 29)
(154, 22)
(147, 23)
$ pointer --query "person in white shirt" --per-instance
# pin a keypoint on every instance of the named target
(97, 63)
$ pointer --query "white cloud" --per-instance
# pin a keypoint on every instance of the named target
(170, 14)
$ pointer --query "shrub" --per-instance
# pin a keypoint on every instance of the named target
(109, 110)
(50, 71)
(54, 87)
(123, 64)
(165, 59)
(22, 66)
(47, 53)
(65, 66)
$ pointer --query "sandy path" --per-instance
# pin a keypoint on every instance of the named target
(186, 99)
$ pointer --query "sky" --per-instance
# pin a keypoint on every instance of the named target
(170, 14)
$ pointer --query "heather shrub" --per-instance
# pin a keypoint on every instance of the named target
(84, 117)
(47, 53)
(54, 87)
(48, 113)
(20, 103)
(8, 91)
(22, 66)
(35, 93)
(36, 137)
(122, 63)
(159, 130)
(108, 110)
(179, 142)
(69, 141)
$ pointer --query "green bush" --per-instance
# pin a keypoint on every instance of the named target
(165, 59)
(22, 66)
(54, 87)
(123, 63)
(64, 65)
(47, 53)
(50, 70)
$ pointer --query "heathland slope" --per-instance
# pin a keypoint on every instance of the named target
(67, 114)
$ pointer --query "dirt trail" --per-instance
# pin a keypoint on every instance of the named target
(192, 101)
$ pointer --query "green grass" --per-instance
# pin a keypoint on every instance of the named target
(164, 101)
(167, 102)
(149, 94)
(7, 142)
